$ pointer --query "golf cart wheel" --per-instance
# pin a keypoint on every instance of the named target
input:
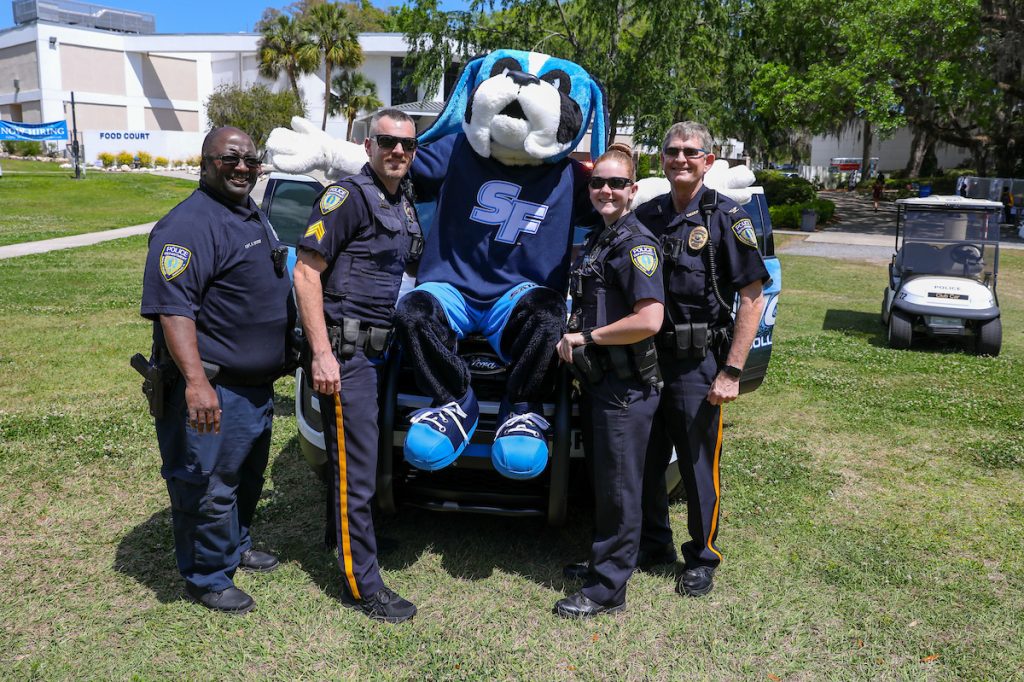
(990, 338)
(901, 330)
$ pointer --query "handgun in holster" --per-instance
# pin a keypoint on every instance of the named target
(585, 365)
(154, 383)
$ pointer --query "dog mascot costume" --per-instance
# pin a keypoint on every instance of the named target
(496, 256)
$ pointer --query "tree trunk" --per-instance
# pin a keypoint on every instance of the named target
(917, 149)
(348, 132)
(327, 93)
(865, 151)
(295, 85)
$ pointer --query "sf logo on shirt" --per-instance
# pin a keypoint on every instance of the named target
(498, 203)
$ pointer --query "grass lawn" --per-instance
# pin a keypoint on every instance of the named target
(41, 201)
(872, 526)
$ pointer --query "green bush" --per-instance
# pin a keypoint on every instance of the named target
(787, 216)
(125, 158)
(780, 190)
(145, 159)
(106, 158)
(23, 147)
(161, 162)
(643, 167)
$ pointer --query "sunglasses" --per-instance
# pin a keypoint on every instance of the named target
(232, 160)
(389, 142)
(688, 152)
(615, 183)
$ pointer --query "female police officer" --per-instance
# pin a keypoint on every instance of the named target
(618, 306)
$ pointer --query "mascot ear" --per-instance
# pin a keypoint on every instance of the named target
(450, 120)
(599, 132)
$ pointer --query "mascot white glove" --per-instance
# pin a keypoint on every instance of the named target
(732, 182)
(305, 147)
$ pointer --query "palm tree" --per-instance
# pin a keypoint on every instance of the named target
(333, 38)
(355, 93)
(282, 48)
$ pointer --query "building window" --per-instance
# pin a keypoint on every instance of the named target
(401, 94)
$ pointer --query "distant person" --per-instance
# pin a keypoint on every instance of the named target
(219, 296)
(963, 189)
(877, 189)
(1007, 200)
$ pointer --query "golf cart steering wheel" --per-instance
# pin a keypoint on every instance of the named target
(965, 254)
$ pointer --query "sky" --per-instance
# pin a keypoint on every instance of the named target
(202, 16)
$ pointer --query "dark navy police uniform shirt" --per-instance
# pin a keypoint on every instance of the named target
(210, 261)
(366, 253)
(497, 226)
(690, 297)
(629, 264)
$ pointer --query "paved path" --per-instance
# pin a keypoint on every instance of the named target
(89, 238)
(858, 232)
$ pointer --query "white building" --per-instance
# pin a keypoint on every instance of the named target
(892, 152)
(147, 91)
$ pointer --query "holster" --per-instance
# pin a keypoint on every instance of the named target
(158, 374)
(352, 334)
(296, 351)
(585, 365)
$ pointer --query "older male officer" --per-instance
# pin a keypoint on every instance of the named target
(216, 288)
(710, 252)
(362, 233)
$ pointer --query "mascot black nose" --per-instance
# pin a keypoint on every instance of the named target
(521, 79)
(513, 110)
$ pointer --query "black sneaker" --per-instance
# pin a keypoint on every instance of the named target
(232, 600)
(257, 561)
(696, 582)
(386, 606)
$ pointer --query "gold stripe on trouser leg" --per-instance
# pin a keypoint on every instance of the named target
(346, 543)
(716, 475)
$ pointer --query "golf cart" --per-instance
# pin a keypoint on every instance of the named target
(942, 278)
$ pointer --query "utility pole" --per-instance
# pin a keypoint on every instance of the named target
(74, 138)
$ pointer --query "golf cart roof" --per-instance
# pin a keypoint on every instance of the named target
(953, 202)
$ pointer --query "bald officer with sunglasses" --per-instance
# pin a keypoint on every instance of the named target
(711, 259)
(362, 234)
(218, 292)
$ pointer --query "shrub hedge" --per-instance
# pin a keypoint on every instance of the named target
(781, 190)
(787, 216)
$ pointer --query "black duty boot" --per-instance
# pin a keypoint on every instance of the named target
(696, 582)
(257, 561)
(578, 605)
(232, 600)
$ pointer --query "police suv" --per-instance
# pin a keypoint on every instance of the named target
(471, 484)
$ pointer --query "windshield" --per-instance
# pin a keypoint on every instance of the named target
(958, 243)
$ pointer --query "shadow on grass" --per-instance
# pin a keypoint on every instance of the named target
(470, 546)
(855, 323)
(146, 554)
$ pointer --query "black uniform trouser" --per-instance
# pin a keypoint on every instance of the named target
(350, 437)
(617, 420)
(688, 421)
(215, 479)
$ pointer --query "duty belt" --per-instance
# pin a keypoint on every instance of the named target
(693, 340)
(639, 361)
(353, 334)
(216, 374)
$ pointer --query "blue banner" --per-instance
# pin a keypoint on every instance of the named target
(54, 130)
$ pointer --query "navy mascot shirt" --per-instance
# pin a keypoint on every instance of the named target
(210, 262)
(497, 226)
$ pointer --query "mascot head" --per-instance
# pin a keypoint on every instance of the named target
(523, 108)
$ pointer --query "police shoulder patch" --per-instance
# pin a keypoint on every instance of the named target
(333, 198)
(744, 231)
(174, 260)
(315, 230)
(645, 258)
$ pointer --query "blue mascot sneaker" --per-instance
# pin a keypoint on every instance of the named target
(438, 435)
(520, 449)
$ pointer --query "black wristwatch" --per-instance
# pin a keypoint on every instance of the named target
(588, 335)
(733, 371)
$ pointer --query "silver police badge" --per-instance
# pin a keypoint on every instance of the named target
(645, 258)
(698, 238)
(333, 198)
(174, 260)
(744, 231)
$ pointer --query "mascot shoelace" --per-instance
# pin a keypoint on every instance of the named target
(496, 256)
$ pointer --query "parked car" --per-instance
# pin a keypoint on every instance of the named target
(471, 484)
(942, 278)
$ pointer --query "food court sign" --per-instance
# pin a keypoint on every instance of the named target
(54, 130)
